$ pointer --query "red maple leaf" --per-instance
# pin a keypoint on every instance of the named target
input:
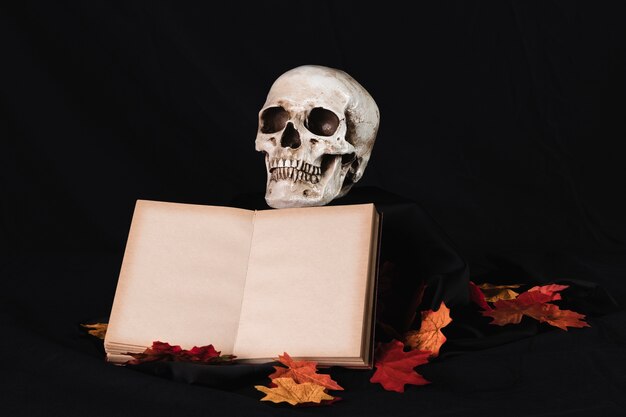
(551, 290)
(164, 352)
(477, 296)
(395, 367)
(201, 354)
(164, 348)
(534, 297)
(302, 371)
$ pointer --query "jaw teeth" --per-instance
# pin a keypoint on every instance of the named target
(295, 170)
(298, 164)
(293, 174)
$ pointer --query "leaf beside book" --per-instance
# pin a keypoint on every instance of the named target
(289, 391)
(164, 352)
(299, 383)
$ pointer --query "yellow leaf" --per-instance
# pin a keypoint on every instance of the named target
(302, 371)
(494, 293)
(289, 391)
(98, 330)
(429, 336)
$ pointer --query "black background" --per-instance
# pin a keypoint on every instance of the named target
(504, 120)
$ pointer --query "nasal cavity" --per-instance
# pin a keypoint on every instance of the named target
(290, 137)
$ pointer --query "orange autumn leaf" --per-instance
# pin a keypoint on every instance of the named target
(302, 371)
(395, 367)
(508, 312)
(289, 391)
(494, 293)
(553, 315)
(98, 330)
(429, 337)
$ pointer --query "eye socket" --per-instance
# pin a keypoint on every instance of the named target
(322, 122)
(274, 119)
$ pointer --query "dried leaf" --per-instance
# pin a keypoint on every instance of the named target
(98, 330)
(552, 290)
(302, 371)
(511, 311)
(164, 352)
(395, 367)
(506, 312)
(477, 296)
(494, 293)
(289, 391)
(553, 315)
(535, 303)
(429, 336)
(534, 297)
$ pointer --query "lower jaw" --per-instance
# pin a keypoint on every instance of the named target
(293, 200)
(288, 193)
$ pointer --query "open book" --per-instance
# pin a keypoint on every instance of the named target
(252, 283)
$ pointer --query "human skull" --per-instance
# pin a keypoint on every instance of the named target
(317, 129)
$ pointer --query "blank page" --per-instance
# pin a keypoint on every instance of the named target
(307, 278)
(182, 276)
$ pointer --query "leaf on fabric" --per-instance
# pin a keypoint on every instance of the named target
(164, 352)
(551, 290)
(429, 337)
(477, 296)
(98, 330)
(508, 312)
(289, 391)
(395, 367)
(494, 293)
(553, 315)
(302, 371)
(535, 303)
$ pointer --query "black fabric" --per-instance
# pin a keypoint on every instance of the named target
(501, 134)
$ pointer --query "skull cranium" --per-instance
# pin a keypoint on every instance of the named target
(317, 129)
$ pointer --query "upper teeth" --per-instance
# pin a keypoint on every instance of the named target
(295, 163)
